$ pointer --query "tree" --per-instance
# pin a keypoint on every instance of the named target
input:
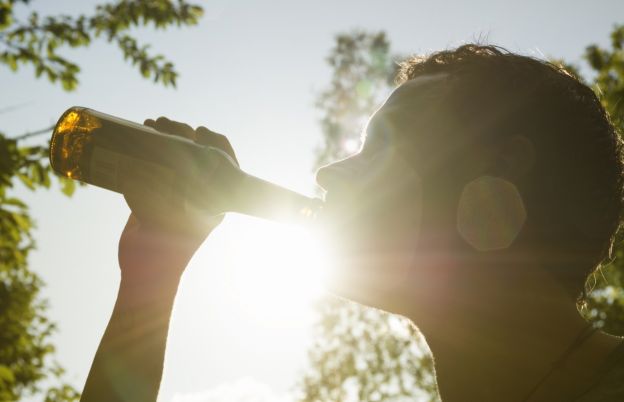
(364, 72)
(26, 353)
(364, 354)
(606, 300)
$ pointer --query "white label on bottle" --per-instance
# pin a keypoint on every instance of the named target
(145, 179)
(104, 167)
(127, 175)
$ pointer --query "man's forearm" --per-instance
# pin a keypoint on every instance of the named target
(129, 361)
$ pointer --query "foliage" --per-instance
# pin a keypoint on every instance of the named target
(605, 304)
(608, 67)
(26, 352)
(363, 71)
(37, 40)
(24, 328)
(366, 355)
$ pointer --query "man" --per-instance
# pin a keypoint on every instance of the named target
(488, 188)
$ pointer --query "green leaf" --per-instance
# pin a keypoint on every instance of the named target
(26, 181)
(15, 202)
(68, 186)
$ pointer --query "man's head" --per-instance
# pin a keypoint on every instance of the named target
(456, 118)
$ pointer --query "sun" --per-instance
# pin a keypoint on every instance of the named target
(275, 271)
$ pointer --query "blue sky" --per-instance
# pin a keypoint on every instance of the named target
(250, 70)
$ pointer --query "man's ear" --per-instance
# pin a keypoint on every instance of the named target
(515, 158)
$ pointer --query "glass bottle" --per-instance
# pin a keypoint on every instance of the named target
(166, 172)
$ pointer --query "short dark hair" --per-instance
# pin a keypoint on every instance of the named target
(574, 198)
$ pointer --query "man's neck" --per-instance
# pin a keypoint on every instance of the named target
(499, 344)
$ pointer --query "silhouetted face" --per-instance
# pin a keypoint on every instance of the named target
(374, 201)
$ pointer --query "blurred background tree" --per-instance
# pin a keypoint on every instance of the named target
(28, 39)
(363, 354)
(363, 75)
(606, 77)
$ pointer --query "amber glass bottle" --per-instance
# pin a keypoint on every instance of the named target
(167, 172)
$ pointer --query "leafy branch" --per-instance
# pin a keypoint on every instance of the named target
(38, 40)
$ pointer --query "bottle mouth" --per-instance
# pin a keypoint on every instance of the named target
(69, 137)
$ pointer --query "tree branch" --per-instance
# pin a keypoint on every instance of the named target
(33, 133)
(16, 106)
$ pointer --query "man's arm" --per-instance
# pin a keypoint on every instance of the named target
(152, 256)
(129, 361)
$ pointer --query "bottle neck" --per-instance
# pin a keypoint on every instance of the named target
(260, 198)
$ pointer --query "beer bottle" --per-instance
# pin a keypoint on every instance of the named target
(166, 172)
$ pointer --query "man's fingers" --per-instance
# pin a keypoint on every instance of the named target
(202, 135)
(175, 128)
(212, 139)
(172, 127)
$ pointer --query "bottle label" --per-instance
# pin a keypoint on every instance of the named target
(104, 169)
(128, 175)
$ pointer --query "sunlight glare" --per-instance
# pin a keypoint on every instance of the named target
(278, 270)
(351, 145)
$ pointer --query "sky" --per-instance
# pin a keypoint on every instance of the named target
(249, 70)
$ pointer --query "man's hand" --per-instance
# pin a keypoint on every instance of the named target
(149, 249)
